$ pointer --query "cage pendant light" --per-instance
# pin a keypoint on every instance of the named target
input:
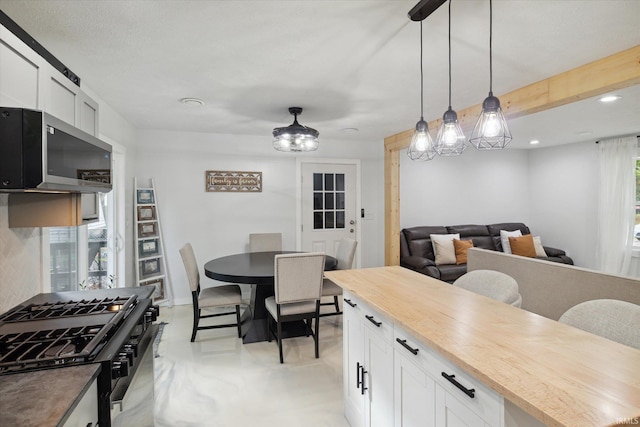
(450, 140)
(491, 131)
(421, 147)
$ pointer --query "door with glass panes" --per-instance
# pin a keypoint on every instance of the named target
(328, 206)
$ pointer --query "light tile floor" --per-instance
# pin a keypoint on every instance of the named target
(218, 381)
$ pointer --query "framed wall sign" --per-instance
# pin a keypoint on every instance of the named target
(146, 213)
(147, 229)
(145, 197)
(233, 181)
(158, 284)
(148, 247)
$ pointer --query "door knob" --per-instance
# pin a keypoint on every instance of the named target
(351, 230)
(352, 222)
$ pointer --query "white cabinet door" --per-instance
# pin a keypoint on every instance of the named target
(414, 393)
(451, 412)
(61, 97)
(378, 377)
(88, 114)
(20, 73)
(353, 360)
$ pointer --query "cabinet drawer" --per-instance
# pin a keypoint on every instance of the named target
(486, 403)
(372, 319)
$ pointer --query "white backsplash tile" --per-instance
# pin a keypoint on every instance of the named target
(20, 261)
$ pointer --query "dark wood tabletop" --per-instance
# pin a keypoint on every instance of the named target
(256, 269)
(251, 268)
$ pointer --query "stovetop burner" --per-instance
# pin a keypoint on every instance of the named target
(68, 309)
(49, 334)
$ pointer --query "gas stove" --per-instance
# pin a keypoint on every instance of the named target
(112, 327)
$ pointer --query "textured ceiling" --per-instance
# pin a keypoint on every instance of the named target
(349, 63)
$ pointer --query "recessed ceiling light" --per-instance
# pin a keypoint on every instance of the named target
(192, 102)
(584, 133)
(350, 130)
(534, 142)
(610, 98)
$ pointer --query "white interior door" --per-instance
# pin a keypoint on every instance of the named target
(329, 206)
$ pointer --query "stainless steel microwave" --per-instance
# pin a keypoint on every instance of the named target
(40, 153)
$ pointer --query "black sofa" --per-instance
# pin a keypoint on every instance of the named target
(416, 250)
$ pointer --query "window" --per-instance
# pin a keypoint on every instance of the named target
(80, 255)
(328, 201)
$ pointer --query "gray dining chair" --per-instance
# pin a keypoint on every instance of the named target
(297, 286)
(213, 297)
(612, 319)
(491, 284)
(345, 253)
(265, 242)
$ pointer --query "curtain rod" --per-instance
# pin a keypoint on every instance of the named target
(637, 136)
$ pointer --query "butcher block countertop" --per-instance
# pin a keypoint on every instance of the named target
(558, 374)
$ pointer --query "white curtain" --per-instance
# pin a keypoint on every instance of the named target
(616, 207)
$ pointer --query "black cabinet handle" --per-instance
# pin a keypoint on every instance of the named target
(451, 379)
(362, 376)
(348, 301)
(407, 346)
(370, 319)
(358, 381)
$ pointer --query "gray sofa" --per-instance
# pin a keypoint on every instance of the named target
(416, 250)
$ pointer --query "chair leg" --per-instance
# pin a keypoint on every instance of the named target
(316, 333)
(335, 302)
(196, 319)
(238, 319)
(280, 340)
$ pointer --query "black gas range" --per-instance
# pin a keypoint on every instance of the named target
(113, 327)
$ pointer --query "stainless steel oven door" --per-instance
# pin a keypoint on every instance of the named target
(135, 408)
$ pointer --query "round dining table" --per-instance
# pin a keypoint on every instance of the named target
(256, 269)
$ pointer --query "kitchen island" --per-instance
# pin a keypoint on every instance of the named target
(557, 374)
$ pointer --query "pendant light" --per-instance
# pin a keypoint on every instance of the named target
(421, 147)
(450, 139)
(295, 137)
(491, 131)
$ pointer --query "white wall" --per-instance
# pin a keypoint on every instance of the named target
(219, 224)
(564, 197)
(553, 190)
(478, 187)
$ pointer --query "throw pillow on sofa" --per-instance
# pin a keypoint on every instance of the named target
(461, 247)
(504, 239)
(523, 246)
(537, 242)
(443, 248)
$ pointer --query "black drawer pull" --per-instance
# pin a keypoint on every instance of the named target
(348, 301)
(407, 346)
(451, 379)
(358, 381)
(370, 319)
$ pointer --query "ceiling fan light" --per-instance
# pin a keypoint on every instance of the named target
(491, 131)
(450, 139)
(295, 137)
(421, 147)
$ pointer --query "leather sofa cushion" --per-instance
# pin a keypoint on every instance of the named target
(419, 241)
(494, 229)
(484, 242)
(450, 272)
(469, 230)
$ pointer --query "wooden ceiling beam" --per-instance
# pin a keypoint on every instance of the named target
(604, 75)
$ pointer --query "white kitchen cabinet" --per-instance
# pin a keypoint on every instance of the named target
(87, 114)
(392, 379)
(21, 73)
(368, 372)
(61, 97)
(414, 388)
(452, 412)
